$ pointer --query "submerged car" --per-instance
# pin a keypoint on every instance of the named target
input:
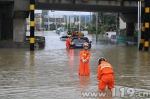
(77, 42)
(64, 37)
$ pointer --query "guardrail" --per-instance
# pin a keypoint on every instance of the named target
(39, 41)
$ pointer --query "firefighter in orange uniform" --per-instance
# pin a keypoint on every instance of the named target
(105, 75)
(68, 41)
(84, 69)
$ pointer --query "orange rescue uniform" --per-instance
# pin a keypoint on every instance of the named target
(105, 76)
(84, 68)
(68, 42)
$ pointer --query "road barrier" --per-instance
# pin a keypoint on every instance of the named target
(39, 41)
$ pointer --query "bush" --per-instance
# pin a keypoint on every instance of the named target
(90, 29)
(135, 33)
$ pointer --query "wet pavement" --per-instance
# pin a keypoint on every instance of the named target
(52, 72)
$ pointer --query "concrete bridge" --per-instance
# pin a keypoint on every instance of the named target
(14, 12)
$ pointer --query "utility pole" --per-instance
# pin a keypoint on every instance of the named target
(48, 22)
(96, 26)
(139, 23)
(147, 26)
(117, 26)
(79, 21)
(32, 40)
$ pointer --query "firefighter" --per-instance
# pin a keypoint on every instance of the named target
(105, 75)
(85, 54)
(68, 41)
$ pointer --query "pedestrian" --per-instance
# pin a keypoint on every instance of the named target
(85, 54)
(105, 75)
(68, 41)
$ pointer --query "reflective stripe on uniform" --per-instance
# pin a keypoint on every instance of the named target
(107, 66)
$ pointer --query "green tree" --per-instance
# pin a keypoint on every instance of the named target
(52, 26)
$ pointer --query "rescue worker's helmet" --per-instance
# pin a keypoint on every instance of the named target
(101, 59)
(85, 45)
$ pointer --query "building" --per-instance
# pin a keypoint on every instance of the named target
(46, 18)
(37, 20)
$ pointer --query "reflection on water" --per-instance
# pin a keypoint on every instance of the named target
(51, 73)
(84, 82)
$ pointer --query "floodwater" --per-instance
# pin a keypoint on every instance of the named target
(52, 72)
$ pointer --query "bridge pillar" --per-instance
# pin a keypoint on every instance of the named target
(19, 29)
(21, 12)
(130, 29)
(13, 20)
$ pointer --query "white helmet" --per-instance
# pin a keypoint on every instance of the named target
(101, 59)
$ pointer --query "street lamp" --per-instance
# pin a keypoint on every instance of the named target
(48, 22)
(85, 21)
(96, 26)
(79, 21)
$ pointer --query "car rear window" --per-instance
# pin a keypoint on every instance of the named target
(79, 40)
(64, 36)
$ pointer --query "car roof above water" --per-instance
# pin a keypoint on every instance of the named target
(85, 38)
(79, 37)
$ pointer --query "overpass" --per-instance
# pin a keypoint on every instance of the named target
(125, 6)
(14, 12)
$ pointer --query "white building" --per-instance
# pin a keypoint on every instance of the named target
(122, 24)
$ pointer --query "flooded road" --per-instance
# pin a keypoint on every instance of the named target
(52, 72)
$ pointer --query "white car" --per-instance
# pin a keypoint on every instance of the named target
(108, 34)
(64, 37)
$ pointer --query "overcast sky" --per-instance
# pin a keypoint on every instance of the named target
(64, 12)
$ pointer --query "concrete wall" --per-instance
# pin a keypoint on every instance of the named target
(131, 17)
(22, 5)
(19, 29)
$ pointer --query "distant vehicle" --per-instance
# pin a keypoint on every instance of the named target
(77, 42)
(74, 32)
(59, 30)
(113, 38)
(109, 34)
(64, 37)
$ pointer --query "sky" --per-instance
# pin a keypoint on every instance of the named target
(64, 12)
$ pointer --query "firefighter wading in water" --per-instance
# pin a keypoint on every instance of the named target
(85, 54)
(105, 75)
(68, 42)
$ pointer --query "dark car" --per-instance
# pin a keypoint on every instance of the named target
(77, 42)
